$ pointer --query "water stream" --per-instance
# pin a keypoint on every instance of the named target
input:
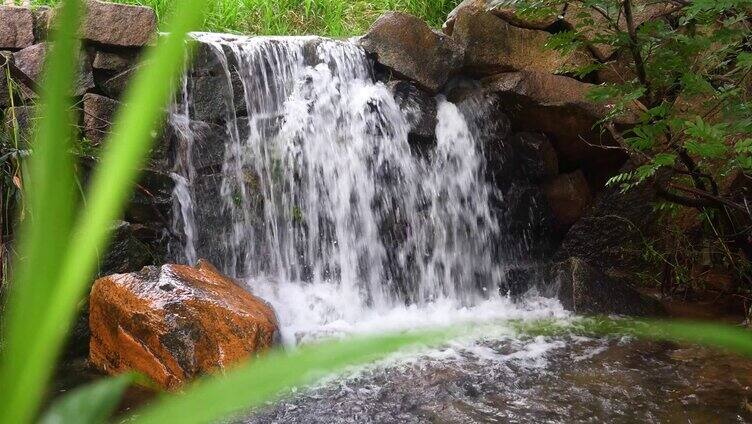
(295, 173)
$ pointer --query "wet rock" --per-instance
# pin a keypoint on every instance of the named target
(176, 323)
(585, 290)
(98, 114)
(491, 45)
(208, 79)
(115, 61)
(126, 252)
(537, 158)
(568, 196)
(557, 106)
(521, 278)
(119, 24)
(30, 61)
(16, 27)
(526, 223)
(208, 141)
(151, 201)
(419, 108)
(115, 86)
(612, 235)
(410, 48)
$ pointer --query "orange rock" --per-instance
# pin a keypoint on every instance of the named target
(175, 323)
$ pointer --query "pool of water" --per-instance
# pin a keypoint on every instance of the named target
(534, 380)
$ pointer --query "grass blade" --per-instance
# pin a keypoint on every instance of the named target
(27, 358)
(56, 271)
(266, 378)
(91, 404)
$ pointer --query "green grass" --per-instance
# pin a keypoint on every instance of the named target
(336, 18)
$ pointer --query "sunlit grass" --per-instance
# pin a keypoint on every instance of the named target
(337, 18)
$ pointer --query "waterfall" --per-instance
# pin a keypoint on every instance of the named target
(306, 186)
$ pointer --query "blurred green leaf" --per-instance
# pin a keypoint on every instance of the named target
(31, 335)
(57, 262)
(91, 404)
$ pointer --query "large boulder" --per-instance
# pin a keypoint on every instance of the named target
(119, 24)
(612, 236)
(569, 197)
(505, 11)
(558, 106)
(16, 27)
(590, 23)
(176, 323)
(585, 290)
(492, 45)
(409, 47)
(536, 156)
(30, 61)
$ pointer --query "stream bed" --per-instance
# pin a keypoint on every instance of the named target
(536, 380)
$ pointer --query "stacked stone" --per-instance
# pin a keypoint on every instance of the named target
(113, 38)
(543, 152)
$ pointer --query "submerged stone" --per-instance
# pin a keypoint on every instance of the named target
(176, 323)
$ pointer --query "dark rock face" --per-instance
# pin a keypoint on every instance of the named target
(410, 48)
(611, 236)
(207, 80)
(127, 253)
(151, 201)
(98, 114)
(538, 159)
(30, 61)
(176, 323)
(558, 107)
(569, 197)
(419, 108)
(115, 61)
(491, 45)
(16, 27)
(118, 24)
(585, 290)
(116, 85)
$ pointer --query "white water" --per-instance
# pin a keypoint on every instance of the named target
(323, 208)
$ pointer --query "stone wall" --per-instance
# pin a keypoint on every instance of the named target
(114, 37)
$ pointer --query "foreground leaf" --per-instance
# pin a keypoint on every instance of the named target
(56, 269)
(92, 404)
(31, 335)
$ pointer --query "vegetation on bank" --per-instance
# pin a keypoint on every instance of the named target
(335, 18)
(684, 67)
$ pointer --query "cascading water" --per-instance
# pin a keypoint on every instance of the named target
(319, 201)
